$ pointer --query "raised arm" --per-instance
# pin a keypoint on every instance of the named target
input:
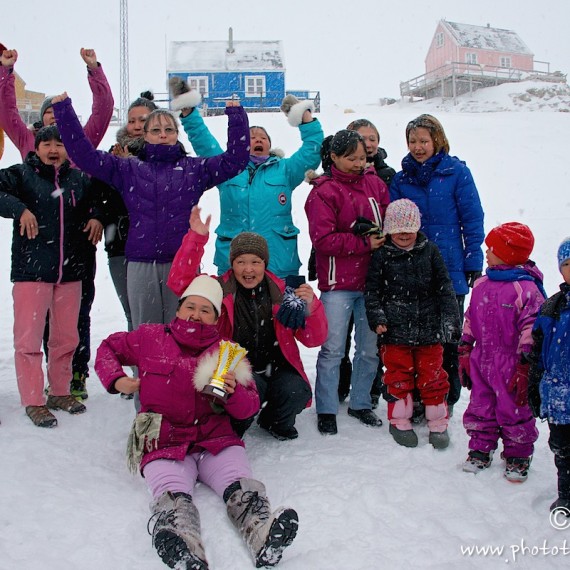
(102, 165)
(308, 156)
(186, 263)
(10, 120)
(102, 108)
(234, 160)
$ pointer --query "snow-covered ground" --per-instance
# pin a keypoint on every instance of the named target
(68, 502)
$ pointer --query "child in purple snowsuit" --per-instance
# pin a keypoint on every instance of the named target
(493, 353)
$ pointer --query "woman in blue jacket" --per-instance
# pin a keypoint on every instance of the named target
(259, 199)
(452, 217)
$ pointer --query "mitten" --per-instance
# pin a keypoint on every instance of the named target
(291, 313)
(471, 277)
(518, 383)
(294, 109)
(288, 102)
(182, 96)
(464, 351)
(365, 227)
(451, 333)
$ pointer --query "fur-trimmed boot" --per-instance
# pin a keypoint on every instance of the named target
(176, 532)
(266, 534)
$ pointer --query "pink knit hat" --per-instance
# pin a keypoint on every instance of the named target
(402, 216)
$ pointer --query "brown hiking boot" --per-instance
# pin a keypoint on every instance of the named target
(66, 403)
(41, 416)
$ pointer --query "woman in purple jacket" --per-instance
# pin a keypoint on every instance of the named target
(159, 189)
(182, 436)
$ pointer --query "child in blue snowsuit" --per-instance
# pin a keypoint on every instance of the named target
(549, 380)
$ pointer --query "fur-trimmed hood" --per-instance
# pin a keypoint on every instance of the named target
(207, 364)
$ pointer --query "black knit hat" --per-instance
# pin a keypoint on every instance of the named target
(48, 133)
(249, 242)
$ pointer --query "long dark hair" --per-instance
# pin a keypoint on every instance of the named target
(345, 142)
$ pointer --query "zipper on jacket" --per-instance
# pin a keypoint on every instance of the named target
(61, 226)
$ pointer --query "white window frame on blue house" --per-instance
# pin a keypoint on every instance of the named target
(471, 58)
(505, 61)
(255, 86)
(200, 83)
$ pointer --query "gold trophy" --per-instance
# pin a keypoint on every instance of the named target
(229, 357)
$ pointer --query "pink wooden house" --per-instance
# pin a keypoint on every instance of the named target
(477, 45)
(463, 58)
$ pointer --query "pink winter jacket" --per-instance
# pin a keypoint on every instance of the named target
(24, 138)
(332, 207)
(175, 362)
(186, 266)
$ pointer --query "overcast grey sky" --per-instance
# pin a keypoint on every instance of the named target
(353, 52)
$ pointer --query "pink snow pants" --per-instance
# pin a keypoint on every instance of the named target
(32, 301)
(217, 471)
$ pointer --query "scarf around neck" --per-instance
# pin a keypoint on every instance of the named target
(193, 336)
(421, 173)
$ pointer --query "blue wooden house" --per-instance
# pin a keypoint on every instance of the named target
(253, 71)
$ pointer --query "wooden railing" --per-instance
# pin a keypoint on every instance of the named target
(486, 74)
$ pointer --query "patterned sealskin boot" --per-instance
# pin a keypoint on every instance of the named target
(176, 532)
(266, 534)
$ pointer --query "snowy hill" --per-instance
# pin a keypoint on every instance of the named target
(525, 96)
(68, 502)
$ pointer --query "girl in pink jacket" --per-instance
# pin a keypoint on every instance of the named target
(345, 199)
(183, 435)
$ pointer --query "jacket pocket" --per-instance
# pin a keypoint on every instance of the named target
(158, 367)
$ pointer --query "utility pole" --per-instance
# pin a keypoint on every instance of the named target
(124, 67)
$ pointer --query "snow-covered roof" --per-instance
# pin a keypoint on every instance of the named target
(485, 37)
(215, 56)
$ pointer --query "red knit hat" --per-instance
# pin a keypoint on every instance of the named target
(512, 242)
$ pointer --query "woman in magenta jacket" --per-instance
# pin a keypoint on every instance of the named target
(343, 196)
(182, 436)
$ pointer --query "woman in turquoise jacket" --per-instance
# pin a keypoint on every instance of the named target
(259, 199)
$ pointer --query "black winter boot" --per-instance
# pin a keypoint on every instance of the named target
(563, 467)
(176, 532)
(266, 534)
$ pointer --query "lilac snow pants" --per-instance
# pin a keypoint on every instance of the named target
(217, 471)
(492, 412)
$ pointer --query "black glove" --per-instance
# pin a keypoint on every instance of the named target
(471, 277)
(365, 227)
(312, 265)
(291, 313)
(534, 399)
